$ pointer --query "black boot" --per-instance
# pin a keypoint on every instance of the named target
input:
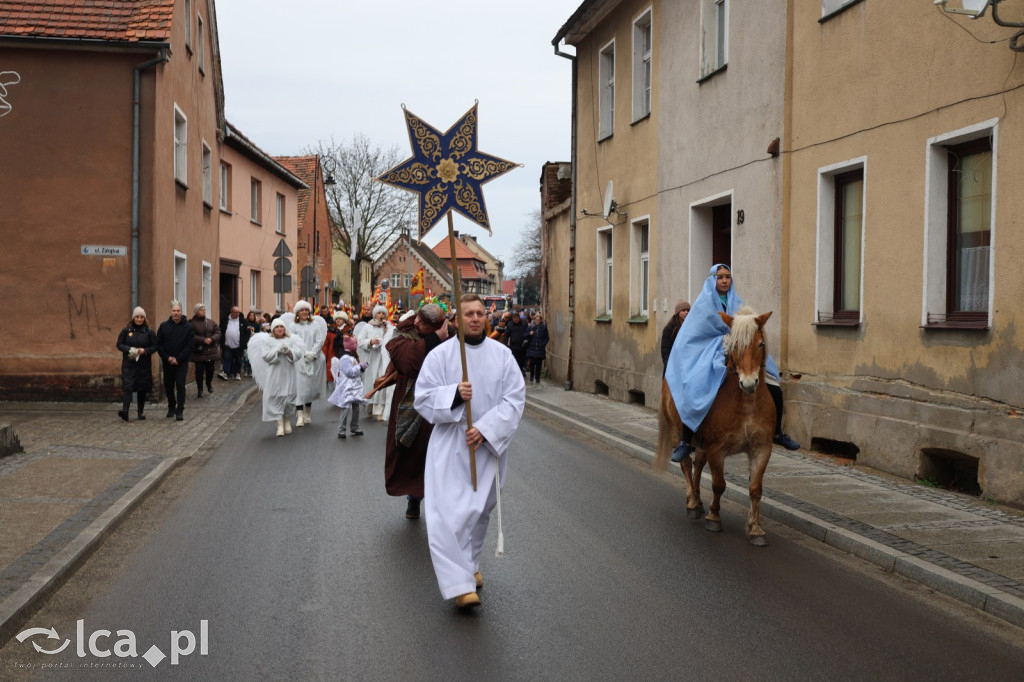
(126, 402)
(142, 406)
(199, 387)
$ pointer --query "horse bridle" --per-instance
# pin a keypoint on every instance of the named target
(730, 365)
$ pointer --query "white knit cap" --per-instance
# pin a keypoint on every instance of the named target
(302, 305)
(138, 312)
(277, 322)
(341, 315)
(379, 309)
(197, 307)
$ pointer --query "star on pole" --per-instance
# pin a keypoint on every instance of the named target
(446, 171)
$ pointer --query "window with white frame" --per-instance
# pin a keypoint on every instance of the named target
(642, 50)
(604, 271)
(188, 24)
(225, 186)
(207, 286)
(254, 289)
(640, 267)
(407, 280)
(207, 175)
(181, 279)
(606, 76)
(833, 6)
(255, 200)
(180, 146)
(200, 51)
(279, 204)
(714, 35)
(396, 280)
(841, 202)
(279, 302)
(960, 228)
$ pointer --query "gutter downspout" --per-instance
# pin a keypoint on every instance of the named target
(572, 224)
(136, 87)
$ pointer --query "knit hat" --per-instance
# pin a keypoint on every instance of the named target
(349, 343)
(379, 309)
(302, 305)
(680, 304)
(341, 315)
(277, 322)
(138, 312)
(197, 307)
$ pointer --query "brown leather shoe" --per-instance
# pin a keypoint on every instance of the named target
(479, 579)
(467, 601)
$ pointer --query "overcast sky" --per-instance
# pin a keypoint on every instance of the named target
(306, 70)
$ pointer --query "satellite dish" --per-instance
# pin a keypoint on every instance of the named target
(609, 202)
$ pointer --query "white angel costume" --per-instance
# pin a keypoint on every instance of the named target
(272, 361)
(371, 339)
(457, 516)
(311, 368)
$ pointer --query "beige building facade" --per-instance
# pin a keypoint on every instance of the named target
(905, 322)
(615, 334)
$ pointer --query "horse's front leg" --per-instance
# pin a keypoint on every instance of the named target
(694, 506)
(758, 463)
(713, 521)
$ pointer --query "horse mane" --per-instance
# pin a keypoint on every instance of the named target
(744, 326)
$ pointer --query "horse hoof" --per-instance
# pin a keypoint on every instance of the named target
(694, 514)
(713, 526)
(758, 541)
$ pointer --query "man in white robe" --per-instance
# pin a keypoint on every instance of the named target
(311, 368)
(457, 516)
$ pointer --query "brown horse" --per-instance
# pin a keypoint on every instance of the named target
(741, 419)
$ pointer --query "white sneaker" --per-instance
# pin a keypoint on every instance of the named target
(280, 427)
(298, 419)
(307, 415)
(287, 426)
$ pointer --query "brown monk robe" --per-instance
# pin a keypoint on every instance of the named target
(408, 433)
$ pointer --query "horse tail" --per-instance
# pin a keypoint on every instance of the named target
(670, 428)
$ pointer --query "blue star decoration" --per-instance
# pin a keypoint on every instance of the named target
(446, 170)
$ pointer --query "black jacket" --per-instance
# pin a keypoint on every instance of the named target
(244, 330)
(175, 340)
(668, 337)
(136, 375)
(538, 340)
(515, 335)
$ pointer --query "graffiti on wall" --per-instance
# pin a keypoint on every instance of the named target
(84, 313)
(7, 78)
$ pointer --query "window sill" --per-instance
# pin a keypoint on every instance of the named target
(226, 211)
(637, 319)
(256, 223)
(838, 11)
(828, 320)
(181, 183)
(605, 137)
(712, 74)
(208, 205)
(641, 119)
(603, 319)
(960, 326)
(279, 232)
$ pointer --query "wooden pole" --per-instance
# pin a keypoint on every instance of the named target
(457, 292)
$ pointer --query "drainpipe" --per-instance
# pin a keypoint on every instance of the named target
(572, 225)
(136, 86)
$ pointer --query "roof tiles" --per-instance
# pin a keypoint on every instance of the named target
(111, 20)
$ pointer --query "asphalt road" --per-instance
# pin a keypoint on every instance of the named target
(304, 569)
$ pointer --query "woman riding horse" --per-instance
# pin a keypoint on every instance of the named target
(696, 366)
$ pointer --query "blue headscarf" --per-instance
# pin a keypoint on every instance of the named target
(696, 365)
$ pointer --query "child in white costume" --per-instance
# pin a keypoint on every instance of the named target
(311, 368)
(348, 386)
(272, 357)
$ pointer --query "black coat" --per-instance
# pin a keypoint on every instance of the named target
(244, 331)
(175, 340)
(538, 340)
(136, 375)
(515, 335)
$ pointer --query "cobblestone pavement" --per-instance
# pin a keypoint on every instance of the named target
(84, 469)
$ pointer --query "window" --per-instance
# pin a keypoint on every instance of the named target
(604, 272)
(960, 228)
(714, 36)
(407, 280)
(279, 302)
(640, 292)
(188, 24)
(181, 279)
(255, 200)
(642, 66)
(396, 280)
(225, 187)
(207, 175)
(280, 213)
(200, 52)
(254, 289)
(180, 146)
(840, 243)
(833, 6)
(207, 286)
(606, 74)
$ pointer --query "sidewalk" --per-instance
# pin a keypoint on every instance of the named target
(952, 543)
(83, 470)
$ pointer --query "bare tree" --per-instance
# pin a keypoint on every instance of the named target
(385, 211)
(526, 258)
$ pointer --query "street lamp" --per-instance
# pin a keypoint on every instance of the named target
(976, 8)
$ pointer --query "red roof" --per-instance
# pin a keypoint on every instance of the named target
(114, 20)
(304, 168)
(461, 250)
(508, 287)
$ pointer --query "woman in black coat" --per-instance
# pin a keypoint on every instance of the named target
(536, 345)
(137, 342)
